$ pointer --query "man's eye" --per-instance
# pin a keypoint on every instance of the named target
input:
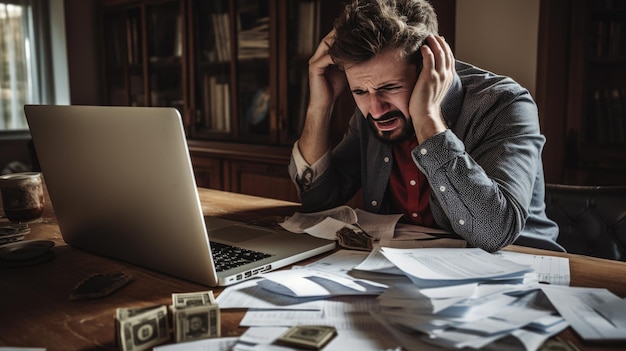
(395, 87)
(359, 92)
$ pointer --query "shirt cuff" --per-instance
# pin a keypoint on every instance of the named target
(310, 172)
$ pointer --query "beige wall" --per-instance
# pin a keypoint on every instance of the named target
(500, 36)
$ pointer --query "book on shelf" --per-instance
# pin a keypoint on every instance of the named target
(221, 36)
(254, 42)
(115, 44)
(609, 40)
(216, 103)
(308, 27)
(132, 40)
(178, 39)
(608, 107)
(617, 114)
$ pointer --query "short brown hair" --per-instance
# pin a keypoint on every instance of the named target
(369, 27)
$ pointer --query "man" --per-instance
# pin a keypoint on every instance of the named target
(443, 142)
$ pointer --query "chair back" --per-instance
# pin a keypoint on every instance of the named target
(591, 219)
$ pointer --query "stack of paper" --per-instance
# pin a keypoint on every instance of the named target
(460, 298)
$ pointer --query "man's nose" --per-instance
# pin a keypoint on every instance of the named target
(378, 106)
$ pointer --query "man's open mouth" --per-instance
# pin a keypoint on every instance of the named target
(388, 124)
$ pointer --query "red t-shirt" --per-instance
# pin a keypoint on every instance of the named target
(409, 187)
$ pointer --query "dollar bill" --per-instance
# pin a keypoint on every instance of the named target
(197, 322)
(142, 328)
(183, 300)
(196, 315)
(313, 337)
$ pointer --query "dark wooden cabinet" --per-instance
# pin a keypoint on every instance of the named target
(582, 90)
(236, 70)
(143, 51)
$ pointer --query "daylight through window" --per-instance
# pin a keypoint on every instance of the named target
(17, 86)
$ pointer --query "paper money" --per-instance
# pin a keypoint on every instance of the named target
(313, 337)
(182, 300)
(196, 316)
(142, 328)
(354, 239)
(198, 322)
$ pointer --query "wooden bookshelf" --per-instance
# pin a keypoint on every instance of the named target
(582, 91)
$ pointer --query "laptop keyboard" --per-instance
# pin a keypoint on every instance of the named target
(227, 256)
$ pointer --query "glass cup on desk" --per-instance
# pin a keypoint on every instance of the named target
(22, 197)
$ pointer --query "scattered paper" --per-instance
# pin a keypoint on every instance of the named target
(578, 307)
(214, 344)
(430, 267)
(325, 224)
(311, 282)
(299, 222)
(614, 311)
(549, 269)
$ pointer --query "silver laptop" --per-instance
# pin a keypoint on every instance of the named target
(121, 184)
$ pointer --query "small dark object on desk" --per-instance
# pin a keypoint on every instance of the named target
(25, 253)
(100, 285)
(313, 337)
(355, 240)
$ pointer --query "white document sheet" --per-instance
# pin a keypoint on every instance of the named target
(425, 301)
(346, 313)
(377, 262)
(614, 311)
(340, 261)
(327, 228)
(431, 267)
(213, 344)
(549, 269)
(377, 225)
(312, 282)
(577, 306)
(248, 294)
(325, 224)
(299, 222)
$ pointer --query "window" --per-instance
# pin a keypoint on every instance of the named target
(23, 56)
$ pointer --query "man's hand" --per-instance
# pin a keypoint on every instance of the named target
(326, 83)
(431, 87)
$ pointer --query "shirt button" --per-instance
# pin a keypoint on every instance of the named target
(374, 203)
(461, 222)
(423, 151)
(442, 188)
(414, 215)
(386, 159)
(412, 182)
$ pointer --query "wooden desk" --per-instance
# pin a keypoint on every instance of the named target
(35, 310)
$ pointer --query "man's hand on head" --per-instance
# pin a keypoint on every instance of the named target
(431, 87)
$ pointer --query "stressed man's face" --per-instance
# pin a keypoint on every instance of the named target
(382, 88)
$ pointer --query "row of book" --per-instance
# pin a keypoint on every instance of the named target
(609, 40)
(308, 27)
(609, 106)
(216, 103)
(219, 41)
(253, 41)
(127, 46)
(607, 5)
